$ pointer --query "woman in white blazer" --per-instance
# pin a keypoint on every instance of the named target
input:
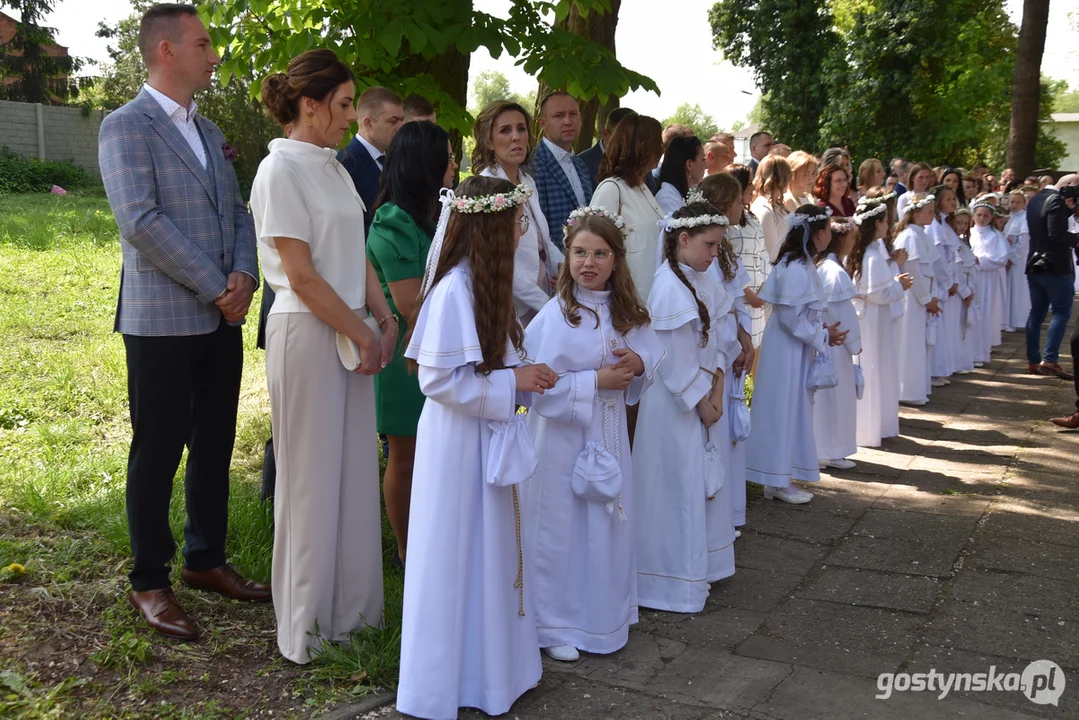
(634, 149)
(503, 146)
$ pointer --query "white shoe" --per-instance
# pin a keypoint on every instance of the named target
(789, 494)
(913, 403)
(938, 382)
(840, 464)
(565, 653)
(737, 534)
(979, 364)
(962, 372)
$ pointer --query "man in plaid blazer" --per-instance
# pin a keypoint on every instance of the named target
(562, 179)
(189, 271)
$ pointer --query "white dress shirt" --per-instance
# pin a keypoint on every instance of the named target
(183, 119)
(565, 161)
(377, 155)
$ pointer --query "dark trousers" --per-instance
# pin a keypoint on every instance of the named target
(183, 391)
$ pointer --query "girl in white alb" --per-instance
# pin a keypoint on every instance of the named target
(919, 303)
(959, 222)
(879, 287)
(781, 445)
(468, 635)
(1018, 235)
(991, 249)
(677, 467)
(945, 357)
(834, 423)
(578, 509)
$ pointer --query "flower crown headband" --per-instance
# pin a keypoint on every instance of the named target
(870, 211)
(492, 203)
(592, 210)
(915, 205)
(844, 225)
(683, 223)
(801, 219)
(467, 206)
(694, 196)
(961, 211)
(981, 203)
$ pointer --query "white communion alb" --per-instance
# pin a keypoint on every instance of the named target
(834, 410)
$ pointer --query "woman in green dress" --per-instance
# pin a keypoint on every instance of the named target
(419, 163)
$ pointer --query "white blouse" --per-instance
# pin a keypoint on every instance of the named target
(773, 220)
(638, 207)
(302, 192)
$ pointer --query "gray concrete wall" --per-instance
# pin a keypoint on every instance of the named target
(51, 133)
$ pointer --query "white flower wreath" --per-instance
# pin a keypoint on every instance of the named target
(870, 211)
(596, 212)
(696, 221)
(694, 196)
(916, 205)
(492, 203)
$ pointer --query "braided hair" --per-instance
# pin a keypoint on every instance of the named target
(670, 254)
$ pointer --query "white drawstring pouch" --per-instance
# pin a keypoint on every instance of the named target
(714, 473)
(859, 382)
(740, 415)
(511, 455)
(597, 476)
(822, 374)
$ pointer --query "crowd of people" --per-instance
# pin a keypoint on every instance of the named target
(621, 297)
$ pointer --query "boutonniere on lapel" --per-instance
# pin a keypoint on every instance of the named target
(230, 151)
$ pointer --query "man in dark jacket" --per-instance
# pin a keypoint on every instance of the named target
(381, 115)
(1058, 206)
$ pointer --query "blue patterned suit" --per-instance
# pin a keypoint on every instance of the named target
(183, 229)
(556, 196)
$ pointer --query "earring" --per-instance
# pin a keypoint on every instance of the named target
(310, 119)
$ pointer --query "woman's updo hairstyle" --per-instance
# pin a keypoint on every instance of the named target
(314, 74)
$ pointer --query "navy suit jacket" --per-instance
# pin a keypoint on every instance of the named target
(556, 196)
(365, 175)
(591, 158)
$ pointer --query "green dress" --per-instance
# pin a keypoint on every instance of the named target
(397, 248)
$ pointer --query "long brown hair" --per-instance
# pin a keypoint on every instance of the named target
(627, 310)
(635, 147)
(822, 188)
(486, 241)
(795, 244)
(772, 179)
(483, 154)
(722, 190)
(866, 237)
(670, 254)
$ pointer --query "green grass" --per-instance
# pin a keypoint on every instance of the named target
(64, 433)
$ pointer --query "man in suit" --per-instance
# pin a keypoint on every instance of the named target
(562, 178)
(1050, 273)
(760, 144)
(189, 271)
(418, 108)
(593, 156)
(381, 114)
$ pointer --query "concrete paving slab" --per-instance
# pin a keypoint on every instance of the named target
(1026, 556)
(898, 524)
(769, 552)
(1033, 520)
(800, 696)
(915, 499)
(771, 517)
(929, 658)
(717, 627)
(643, 657)
(720, 680)
(912, 557)
(869, 588)
(752, 589)
(857, 640)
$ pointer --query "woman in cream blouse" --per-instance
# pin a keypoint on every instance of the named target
(503, 146)
(327, 556)
(634, 149)
(770, 182)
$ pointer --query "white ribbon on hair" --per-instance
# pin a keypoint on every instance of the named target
(446, 197)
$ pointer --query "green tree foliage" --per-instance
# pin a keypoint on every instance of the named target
(491, 85)
(394, 42)
(789, 45)
(925, 79)
(1064, 99)
(704, 126)
(39, 76)
(242, 119)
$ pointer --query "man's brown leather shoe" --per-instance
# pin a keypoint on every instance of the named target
(164, 614)
(226, 581)
(1054, 369)
(1071, 421)
(1033, 370)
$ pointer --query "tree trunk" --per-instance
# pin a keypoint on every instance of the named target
(1026, 87)
(450, 69)
(600, 29)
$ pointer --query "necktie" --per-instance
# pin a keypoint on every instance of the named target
(382, 161)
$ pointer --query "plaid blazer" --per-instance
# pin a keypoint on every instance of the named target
(556, 196)
(182, 230)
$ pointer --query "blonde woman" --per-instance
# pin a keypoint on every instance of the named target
(803, 174)
(770, 182)
(870, 175)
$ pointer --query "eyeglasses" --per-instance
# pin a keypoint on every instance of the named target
(600, 256)
(524, 222)
(453, 158)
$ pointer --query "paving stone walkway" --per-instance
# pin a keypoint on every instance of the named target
(954, 547)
